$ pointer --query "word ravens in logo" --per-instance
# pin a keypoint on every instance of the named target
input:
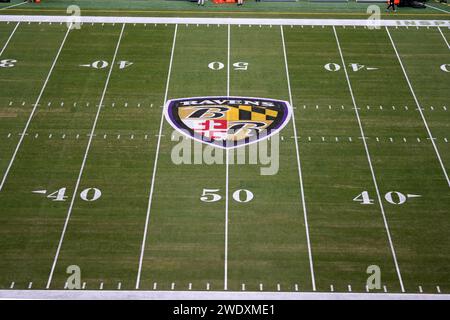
(228, 122)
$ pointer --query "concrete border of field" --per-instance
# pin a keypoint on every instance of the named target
(231, 21)
(209, 295)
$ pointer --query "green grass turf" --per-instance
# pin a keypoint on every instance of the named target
(267, 239)
(300, 9)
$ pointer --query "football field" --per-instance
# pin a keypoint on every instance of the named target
(88, 177)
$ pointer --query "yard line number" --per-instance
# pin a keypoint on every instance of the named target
(240, 195)
(445, 67)
(88, 194)
(102, 64)
(238, 66)
(333, 67)
(7, 63)
(392, 197)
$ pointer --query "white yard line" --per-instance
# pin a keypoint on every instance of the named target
(22, 136)
(394, 256)
(225, 281)
(443, 37)
(438, 9)
(228, 60)
(91, 135)
(227, 164)
(9, 39)
(300, 176)
(420, 109)
(232, 21)
(155, 164)
(14, 5)
(210, 295)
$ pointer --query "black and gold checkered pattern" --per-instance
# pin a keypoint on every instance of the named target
(253, 113)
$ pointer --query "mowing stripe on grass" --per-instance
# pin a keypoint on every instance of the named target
(9, 39)
(91, 135)
(305, 214)
(150, 198)
(420, 109)
(443, 37)
(22, 136)
(394, 256)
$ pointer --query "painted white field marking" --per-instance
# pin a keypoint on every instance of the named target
(211, 295)
(75, 191)
(227, 165)
(419, 108)
(300, 176)
(232, 21)
(22, 136)
(438, 9)
(443, 37)
(394, 256)
(155, 164)
(9, 39)
(14, 5)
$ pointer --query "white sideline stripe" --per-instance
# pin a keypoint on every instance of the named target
(300, 176)
(440, 31)
(211, 295)
(225, 281)
(9, 39)
(75, 191)
(232, 21)
(22, 136)
(438, 9)
(419, 108)
(155, 164)
(14, 5)
(370, 164)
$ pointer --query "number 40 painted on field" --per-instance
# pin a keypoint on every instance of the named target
(88, 194)
(393, 197)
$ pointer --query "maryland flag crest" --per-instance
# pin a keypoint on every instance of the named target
(228, 122)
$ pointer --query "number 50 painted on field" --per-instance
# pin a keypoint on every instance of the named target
(241, 195)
